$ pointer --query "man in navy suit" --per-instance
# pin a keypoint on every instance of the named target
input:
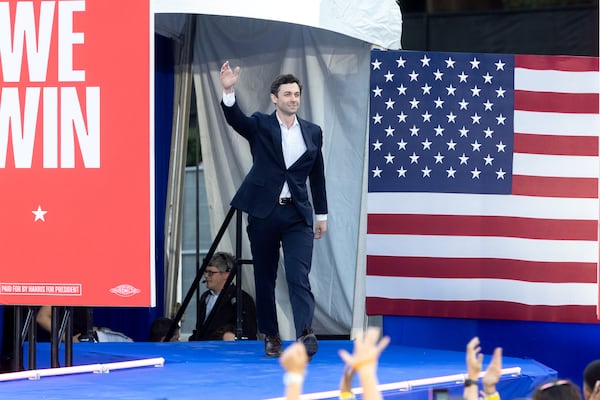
(286, 152)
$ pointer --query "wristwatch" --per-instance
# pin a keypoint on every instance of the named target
(469, 382)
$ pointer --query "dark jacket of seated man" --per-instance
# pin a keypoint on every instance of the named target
(223, 323)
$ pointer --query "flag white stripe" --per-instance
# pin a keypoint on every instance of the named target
(482, 247)
(531, 293)
(553, 165)
(547, 123)
(557, 81)
(482, 204)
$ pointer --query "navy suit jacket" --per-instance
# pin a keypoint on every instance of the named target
(259, 192)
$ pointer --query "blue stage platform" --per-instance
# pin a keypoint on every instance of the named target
(238, 370)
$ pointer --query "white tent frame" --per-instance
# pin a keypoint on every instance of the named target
(340, 293)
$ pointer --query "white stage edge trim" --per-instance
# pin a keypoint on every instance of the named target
(405, 385)
(79, 369)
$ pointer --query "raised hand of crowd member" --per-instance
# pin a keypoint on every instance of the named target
(294, 360)
(474, 359)
(364, 360)
(346, 383)
(492, 376)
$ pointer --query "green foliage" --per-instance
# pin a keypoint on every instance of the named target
(194, 154)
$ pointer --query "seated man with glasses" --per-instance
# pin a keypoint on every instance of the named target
(222, 325)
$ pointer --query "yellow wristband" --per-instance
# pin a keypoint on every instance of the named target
(347, 396)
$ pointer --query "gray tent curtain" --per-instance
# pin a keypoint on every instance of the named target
(334, 70)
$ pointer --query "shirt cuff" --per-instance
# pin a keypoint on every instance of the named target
(321, 217)
(228, 98)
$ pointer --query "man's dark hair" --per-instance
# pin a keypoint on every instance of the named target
(591, 374)
(282, 80)
(159, 328)
(562, 389)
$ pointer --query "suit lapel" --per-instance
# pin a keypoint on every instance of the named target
(277, 145)
(308, 141)
(310, 145)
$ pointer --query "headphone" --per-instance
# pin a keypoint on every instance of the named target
(227, 258)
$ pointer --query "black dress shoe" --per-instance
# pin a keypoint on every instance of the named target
(272, 346)
(311, 344)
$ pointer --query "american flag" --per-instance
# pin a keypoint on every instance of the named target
(483, 186)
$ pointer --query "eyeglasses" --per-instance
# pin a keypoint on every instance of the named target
(211, 273)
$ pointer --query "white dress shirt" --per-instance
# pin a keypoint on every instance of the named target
(210, 302)
(293, 146)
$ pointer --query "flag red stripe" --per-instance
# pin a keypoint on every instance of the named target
(481, 225)
(574, 103)
(481, 309)
(544, 186)
(556, 145)
(489, 268)
(557, 63)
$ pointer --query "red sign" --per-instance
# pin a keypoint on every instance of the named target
(76, 162)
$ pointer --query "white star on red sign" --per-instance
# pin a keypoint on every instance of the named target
(39, 214)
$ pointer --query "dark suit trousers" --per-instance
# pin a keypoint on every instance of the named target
(285, 226)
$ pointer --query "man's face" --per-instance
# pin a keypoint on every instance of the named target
(287, 100)
(215, 279)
